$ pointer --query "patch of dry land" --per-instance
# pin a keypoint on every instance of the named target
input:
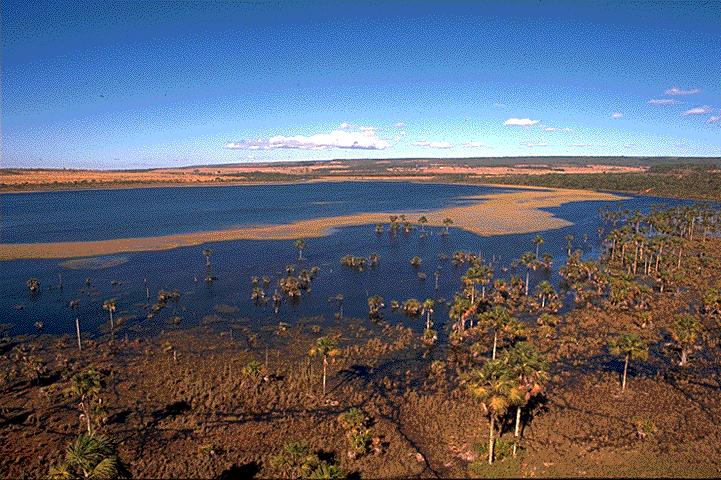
(518, 211)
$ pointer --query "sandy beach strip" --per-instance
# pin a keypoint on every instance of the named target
(495, 214)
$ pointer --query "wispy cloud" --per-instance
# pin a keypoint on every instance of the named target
(400, 125)
(364, 140)
(713, 119)
(556, 129)
(346, 126)
(663, 101)
(616, 115)
(681, 91)
(581, 145)
(520, 122)
(697, 111)
(427, 144)
(533, 145)
(474, 145)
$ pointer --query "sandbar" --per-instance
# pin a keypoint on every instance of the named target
(518, 211)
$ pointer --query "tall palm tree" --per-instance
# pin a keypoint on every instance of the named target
(447, 222)
(300, 245)
(90, 456)
(497, 388)
(569, 243)
(461, 310)
(496, 319)
(631, 347)
(531, 371)
(422, 221)
(109, 305)
(685, 331)
(528, 260)
(545, 292)
(427, 309)
(325, 347)
(538, 241)
(412, 308)
(207, 253)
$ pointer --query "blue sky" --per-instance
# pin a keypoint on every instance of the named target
(143, 84)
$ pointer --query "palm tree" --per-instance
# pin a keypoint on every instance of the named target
(447, 222)
(631, 347)
(427, 309)
(207, 253)
(422, 221)
(461, 310)
(300, 245)
(497, 388)
(545, 291)
(109, 305)
(86, 387)
(339, 298)
(33, 285)
(90, 457)
(685, 331)
(569, 243)
(412, 308)
(416, 261)
(276, 301)
(325, 347)
(531, 371)
(528, 260)
(497, 319)
(375, 304)
(538, 241)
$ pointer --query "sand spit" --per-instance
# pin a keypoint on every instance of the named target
(497, 214)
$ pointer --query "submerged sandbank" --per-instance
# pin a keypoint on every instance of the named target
(495, 214)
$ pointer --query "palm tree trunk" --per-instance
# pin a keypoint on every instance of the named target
(325, 368)
(517, 431)
(112, 323)
(495, 342)
(625, 370)
(77, 330)
(490, 442)
(684, 356)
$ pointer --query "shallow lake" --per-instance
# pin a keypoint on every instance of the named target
(226, 303)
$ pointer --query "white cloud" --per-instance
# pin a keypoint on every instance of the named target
(581, 145)
(713, 119)
(629, 145)
(346, 126)
(400, 125)
(320, 141)
(663, 101)
(555, 129)
(533, 145)
(616, 115)
(681, 91)
(698, 111)
(427, 144)
(520, 122)
(474, 145)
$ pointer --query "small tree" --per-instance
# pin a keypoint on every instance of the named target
(422, 222)
(375, 304)
(325, 347)
(90, 457)
(33, 285)
(685, 331)
(631, 347)
(86, 387)
(300, 245)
